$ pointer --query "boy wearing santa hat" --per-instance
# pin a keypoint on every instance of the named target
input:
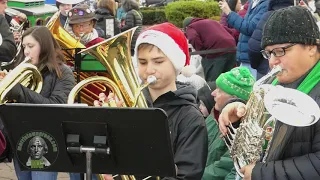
(162, 51)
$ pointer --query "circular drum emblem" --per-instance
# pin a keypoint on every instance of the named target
(37, 150)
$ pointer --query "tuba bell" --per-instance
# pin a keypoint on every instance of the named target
(26, 74)
(69, 43)
(115, 55)
(65, 39)
(250, 142)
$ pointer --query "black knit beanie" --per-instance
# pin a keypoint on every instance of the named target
(204, 94)
(291, 25)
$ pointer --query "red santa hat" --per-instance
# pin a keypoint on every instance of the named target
(170, 40)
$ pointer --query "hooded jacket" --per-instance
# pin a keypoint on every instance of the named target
(188, 131)
(254, 44)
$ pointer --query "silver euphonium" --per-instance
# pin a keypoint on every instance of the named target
(267, 103)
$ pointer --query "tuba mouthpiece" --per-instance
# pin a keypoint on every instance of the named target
(151, 79)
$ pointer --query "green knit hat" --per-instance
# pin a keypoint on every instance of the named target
(187, 21)
(291, 25)
(236, 82)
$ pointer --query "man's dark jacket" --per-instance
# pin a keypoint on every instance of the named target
(188, 131)
(8, 48)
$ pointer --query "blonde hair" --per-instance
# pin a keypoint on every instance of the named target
(108, 4)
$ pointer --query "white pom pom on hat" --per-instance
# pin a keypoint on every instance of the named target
(188, 71)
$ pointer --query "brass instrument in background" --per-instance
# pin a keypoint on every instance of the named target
(67, 41)
(26, 74)
(266, 105)
(115, 55)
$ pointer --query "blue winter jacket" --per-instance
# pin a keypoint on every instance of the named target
(254, 45)
(246, 26)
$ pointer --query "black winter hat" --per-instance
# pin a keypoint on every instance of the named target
(291, 25)
(204, 94)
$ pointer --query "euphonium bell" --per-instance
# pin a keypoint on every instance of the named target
(26, 74)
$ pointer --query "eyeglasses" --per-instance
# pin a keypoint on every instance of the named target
(84, 26)
(277, 52)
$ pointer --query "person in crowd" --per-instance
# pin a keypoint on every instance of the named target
(290, 39)
(81, 25)
(245, 26)
(236, 83)
(106, 9)
(133, 18)
(8, 47)
(121, 14)
(39, 45)
(206, 101)
(203, 39)
(64, 6)
(162, 51)
(241, 9)
(13, 21)
(257, 61)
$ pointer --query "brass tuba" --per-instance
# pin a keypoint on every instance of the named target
(69, 43)
(65, 39)
(266, 105)
(115, 55)
(26, 74)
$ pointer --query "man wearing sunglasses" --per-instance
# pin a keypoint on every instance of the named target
(291, 39)
(81, 25)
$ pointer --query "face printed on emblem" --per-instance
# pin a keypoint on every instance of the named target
(37, 148)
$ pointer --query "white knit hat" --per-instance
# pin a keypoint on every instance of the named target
(188, 76)
(170, 40)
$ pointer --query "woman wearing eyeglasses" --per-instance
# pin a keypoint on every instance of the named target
(81, 25)
(291, 40)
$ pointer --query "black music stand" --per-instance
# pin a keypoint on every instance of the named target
(64, 138)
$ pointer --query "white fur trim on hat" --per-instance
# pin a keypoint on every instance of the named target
(70, 1)
(166, 44)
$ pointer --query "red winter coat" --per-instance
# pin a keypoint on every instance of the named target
(94, 42)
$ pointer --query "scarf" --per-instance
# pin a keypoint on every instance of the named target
(86, 37)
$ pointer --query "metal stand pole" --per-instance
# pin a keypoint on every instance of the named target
(88, 165)
(88, 151)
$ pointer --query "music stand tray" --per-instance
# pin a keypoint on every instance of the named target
(130, 141)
